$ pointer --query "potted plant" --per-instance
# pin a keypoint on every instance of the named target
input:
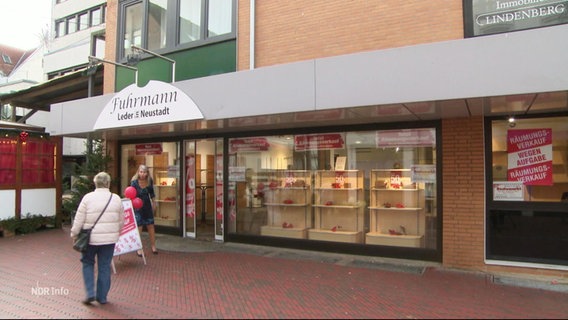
(9, 226)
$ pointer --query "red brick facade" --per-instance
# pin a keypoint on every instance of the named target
(297, 30)
(463, 181)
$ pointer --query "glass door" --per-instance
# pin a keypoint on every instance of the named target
(203, 189)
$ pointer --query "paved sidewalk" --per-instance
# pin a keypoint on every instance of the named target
(40, 277)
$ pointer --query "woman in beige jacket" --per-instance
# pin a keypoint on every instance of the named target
(103, 236)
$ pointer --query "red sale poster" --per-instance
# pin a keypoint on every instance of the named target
(129, 239)
(530, 156)
(190, 186)
(219, 188)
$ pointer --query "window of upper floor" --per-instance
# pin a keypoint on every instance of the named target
(80, 21)
(6, 58)
(168, 25)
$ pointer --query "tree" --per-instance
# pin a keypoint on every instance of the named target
(96, 161)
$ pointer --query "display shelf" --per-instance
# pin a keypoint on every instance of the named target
(338, 206)
(287, 197)
(396, 211)
(166, 198)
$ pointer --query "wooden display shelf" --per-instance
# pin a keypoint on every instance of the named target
(376, 238)
(338, 206)
(337, 236)
(165, 222)
(296, 233)
(410, 210)
(286, 204)
(166, 201)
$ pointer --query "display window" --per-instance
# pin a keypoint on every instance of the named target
(527, 205)
(37, 165)
(8, 161)
(373, 188)
(161, 158)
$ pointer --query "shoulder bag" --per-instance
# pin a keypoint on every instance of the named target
(84, 236)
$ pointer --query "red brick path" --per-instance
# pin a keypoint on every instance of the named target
(226, 284)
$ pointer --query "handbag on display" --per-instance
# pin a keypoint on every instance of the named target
(82, 242)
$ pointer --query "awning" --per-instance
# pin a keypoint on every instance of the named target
(69, 87)
(498, 75)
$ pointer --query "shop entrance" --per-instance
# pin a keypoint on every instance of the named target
(203, 189)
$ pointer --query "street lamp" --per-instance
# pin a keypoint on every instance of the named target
(173, 62)
(93, 60)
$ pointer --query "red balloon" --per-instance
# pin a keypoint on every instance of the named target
(137, 203)
(130, 192)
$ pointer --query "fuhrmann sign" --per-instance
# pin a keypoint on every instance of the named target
(483, 17)
(157, 102)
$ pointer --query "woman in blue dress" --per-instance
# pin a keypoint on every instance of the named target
(144, 185)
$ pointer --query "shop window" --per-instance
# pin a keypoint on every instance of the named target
(374, 188)
(527, 212)
(8, 161)
(38, 162)
(161, 160)
(529, 159)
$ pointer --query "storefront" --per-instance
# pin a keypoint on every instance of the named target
(527, 202)
(350, 153)
(371, 187)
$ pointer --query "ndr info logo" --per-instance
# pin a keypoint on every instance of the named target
(49, 291)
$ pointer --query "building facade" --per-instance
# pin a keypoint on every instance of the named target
(407, 129)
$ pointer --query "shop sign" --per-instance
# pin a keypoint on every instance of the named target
(248, 144)
(508, 191)
(423, 173)
(237, 174)
(529, 154)
(485, 17)
(327, 141)
(157, 102)
(173, 172)
(406, 138)
(147, 149)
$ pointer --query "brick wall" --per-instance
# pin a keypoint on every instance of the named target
(296, 30)
(110, 48)
(463, 179)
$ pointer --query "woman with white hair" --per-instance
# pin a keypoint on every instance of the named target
(104, 235)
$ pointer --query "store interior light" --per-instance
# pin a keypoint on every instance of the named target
(512, 122)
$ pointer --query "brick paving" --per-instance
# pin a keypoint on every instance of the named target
(40, 277)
